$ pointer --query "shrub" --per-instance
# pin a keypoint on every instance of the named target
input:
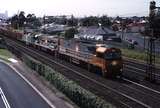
(80, 96)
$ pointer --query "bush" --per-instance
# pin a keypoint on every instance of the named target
(80, 96)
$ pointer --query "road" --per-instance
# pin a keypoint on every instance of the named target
(140, 40)
(18, 92)
(2, 105)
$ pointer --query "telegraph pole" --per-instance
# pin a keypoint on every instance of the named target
(150, 68)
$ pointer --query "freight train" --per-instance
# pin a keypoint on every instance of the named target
(106, 61)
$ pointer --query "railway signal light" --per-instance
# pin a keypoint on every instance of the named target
(152, 5)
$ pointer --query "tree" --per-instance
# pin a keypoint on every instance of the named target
(18, 21)
(72, 22)
(105, 21)
(32, 21)
(90, 21)
(15, 21)
(22, 19)
(70, 33)
(94, 21)
(29, 18)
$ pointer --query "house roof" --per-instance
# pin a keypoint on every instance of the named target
(93, 30)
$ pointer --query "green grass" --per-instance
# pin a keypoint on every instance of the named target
(5, 54)
(137, 55)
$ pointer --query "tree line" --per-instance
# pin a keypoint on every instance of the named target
(20, 20)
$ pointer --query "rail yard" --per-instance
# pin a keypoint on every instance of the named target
(80, 54)
(129, 90)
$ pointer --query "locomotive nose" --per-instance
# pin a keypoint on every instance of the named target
(115, 67)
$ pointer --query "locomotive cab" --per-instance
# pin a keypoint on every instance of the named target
(109, 60)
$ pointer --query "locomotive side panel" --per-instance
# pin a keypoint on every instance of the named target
(107, 66)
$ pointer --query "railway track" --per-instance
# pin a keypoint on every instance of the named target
(130, 65)
(121, 92)
(139, 69)
(140, 65)
(135, 71)
(134, 67)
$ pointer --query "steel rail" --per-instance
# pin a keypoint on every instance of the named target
(86, 77)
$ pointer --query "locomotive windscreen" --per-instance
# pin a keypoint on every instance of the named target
(112, 55)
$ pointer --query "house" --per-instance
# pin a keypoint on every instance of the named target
(53, 28)
(95, 33)
(136, 27)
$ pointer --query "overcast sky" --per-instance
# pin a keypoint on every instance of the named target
(77, 7)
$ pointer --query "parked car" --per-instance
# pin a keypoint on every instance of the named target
(131, 41)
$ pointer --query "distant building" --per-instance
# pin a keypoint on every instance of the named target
(4, 15)
(137, 27)
(53, 28)
(95, 33)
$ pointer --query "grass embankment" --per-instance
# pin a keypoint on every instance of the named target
(142, 56)
(79, 95)
(5, 55)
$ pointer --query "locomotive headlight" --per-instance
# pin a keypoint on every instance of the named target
(114, 63)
